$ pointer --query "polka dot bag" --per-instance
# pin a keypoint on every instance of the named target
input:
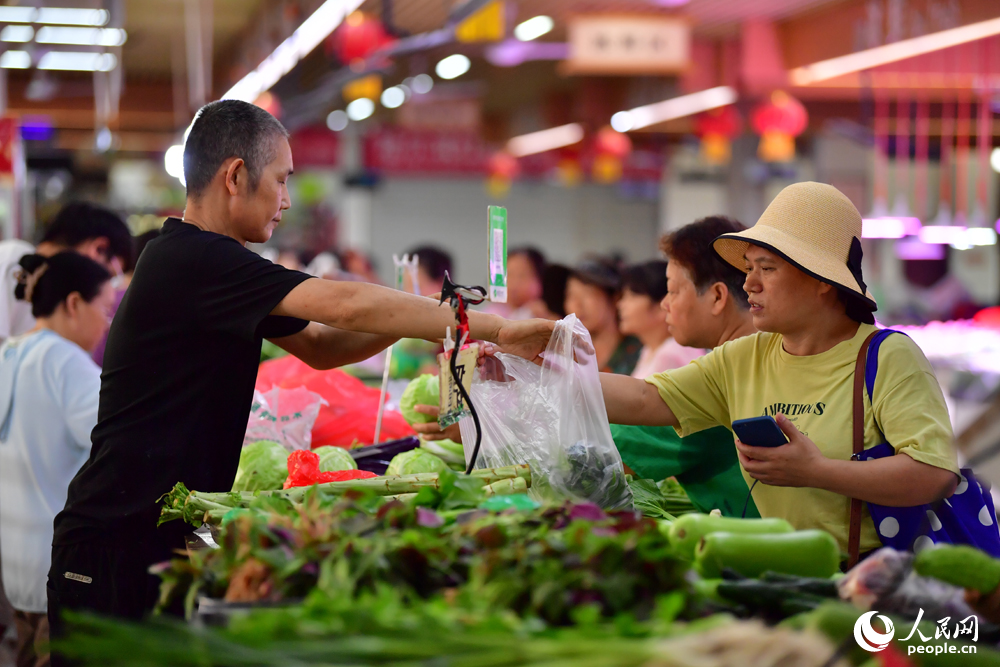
(966, 517)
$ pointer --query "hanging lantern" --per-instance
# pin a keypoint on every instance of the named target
(269, 103)
(502, 169)
(357, 38)
(778, 122)
(612, 142)
(611, 148)
(717, 129)
(568, 172)
(367, 86)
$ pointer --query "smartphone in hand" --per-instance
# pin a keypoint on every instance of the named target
(759, 432)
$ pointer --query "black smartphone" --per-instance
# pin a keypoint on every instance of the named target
(759, 432)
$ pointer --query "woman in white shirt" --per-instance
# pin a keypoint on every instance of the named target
(49, 389)
(640, 315)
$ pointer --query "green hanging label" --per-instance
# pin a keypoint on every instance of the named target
(498, 253)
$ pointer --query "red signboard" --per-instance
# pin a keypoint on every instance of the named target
(315, 147)
(400, 152)
(9, 148)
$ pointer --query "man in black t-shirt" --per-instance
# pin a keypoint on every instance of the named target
(182, 358)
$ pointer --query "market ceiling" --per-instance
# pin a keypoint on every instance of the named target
(244, 32)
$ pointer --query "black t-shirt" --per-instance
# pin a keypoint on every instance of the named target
(178, 380)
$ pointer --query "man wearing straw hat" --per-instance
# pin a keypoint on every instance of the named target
(810, 304)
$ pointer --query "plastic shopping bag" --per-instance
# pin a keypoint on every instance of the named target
(285, 416)
(552, 417)
(349, 411)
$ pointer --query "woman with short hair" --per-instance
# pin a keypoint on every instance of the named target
(592, 294)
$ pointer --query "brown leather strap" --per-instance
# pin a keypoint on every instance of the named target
(854, 532)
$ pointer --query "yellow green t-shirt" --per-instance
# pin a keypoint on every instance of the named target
(754, 376)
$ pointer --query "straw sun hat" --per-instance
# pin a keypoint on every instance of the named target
(814, 227)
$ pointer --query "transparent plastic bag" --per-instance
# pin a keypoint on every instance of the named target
(285, 416)
(552, 417)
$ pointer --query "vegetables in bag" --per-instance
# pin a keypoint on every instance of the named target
(552, 417)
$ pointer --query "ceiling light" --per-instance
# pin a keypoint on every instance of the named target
(545, 140)
(995, 159)
(301, 43)
(677, 107)
(393, 97)
(76, 61)
(883, 55)
(534, 28)
(889, 228)
(173, 162)
(15, 60)
(17, 14)
(337, 120)
(422, 84)
(17, 33)
(103, 140)
(453, 66)
(622, 121)
(360, 109)
(80, 36)
(72, 16)
(942, 235)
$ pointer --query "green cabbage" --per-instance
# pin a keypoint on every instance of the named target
(414, 461)
(423, 390)
(263, 467)
(449, 451)
(332, 459)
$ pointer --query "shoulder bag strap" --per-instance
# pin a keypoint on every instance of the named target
(854, 532)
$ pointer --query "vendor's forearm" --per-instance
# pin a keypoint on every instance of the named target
(379, 310)
(893, 481)
(635, 402)
(324, 347)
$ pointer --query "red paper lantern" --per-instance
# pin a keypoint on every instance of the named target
(716, 129)
(502, 169)
(778, 122)
(611, 142)
(269, 103)
(358, 37)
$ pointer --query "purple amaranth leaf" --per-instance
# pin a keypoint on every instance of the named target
(603, 531)
(310, 569)
(587, 512)
(428, 518)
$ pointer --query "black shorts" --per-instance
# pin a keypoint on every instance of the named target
(111, 580)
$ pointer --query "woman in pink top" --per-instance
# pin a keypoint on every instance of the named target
(639, 310)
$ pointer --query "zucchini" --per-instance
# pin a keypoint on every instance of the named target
(807, 553)
(687, 531)
(959, 565)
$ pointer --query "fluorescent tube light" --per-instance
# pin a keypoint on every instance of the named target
(676, 107)
(15, 60)
(17, 33)
(545, 140)
(80, 36)
(534, 28)
(889, 53)
(77, 61)
(72, 16)
(306, 37)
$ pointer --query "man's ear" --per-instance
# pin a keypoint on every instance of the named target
(234, 172)
(720, 297)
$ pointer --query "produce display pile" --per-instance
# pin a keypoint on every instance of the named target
(318, 563)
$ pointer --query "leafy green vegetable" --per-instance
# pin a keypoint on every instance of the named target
(653, 501)
(332, 459)
(423, 390)
(449, 451)
(263, 467)
(415, 461)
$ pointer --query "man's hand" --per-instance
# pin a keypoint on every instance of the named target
(525, 338)
(431, 430)
(793, 464)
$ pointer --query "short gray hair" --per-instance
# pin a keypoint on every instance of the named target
(225, 129)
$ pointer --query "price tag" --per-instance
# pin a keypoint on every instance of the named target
(453, 407)
(498, 254)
